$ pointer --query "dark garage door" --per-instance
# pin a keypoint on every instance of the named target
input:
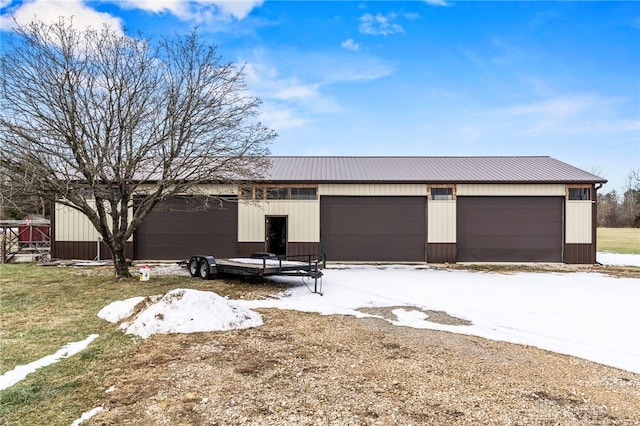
(181, 227)
(373, 228)
(509, 229)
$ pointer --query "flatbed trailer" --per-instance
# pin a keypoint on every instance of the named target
(258, 265)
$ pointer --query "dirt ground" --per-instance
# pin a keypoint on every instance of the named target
(308, 369)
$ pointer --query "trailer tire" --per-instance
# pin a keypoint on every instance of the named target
(193, 267)
(204, 270)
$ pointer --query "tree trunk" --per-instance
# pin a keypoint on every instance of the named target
(120, 265)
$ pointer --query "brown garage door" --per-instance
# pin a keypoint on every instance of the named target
(509, 229)
(373, 228)
(181, 227)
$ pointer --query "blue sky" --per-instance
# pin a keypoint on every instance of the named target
(420, 77)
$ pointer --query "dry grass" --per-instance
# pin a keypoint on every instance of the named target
(44, 308)
(619, 240)
(296, 369)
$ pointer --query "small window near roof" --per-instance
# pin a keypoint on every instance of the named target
(276, 193)
(246, 193)
(583, 194)
(442, 193)
(303, 193)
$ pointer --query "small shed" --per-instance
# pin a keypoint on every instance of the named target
(34, 229)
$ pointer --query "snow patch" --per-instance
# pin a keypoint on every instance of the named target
(188, 311)
(86, 416)
(615, 259)
(12, 377)
(117, 311)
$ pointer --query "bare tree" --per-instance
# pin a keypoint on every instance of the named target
(93, 118)
(631, 200)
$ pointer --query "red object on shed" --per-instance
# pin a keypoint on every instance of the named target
(36, 229)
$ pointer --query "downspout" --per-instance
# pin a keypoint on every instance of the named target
(595, 221)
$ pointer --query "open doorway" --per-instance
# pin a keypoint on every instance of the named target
(276, 238)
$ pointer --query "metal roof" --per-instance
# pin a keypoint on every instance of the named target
(426, 170)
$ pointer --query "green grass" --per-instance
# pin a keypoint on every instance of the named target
(619, 240)
(44, 308)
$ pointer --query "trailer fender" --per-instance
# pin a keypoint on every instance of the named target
(207, 267)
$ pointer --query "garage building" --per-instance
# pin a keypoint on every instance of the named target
(373, 209)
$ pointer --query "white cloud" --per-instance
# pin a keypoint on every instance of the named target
(50, 11)
(280, 118)
(287, 102)
(239, 9)
(294, 86)
(349, 44)
(379, 24)
(195, 10)
(298, 91)
(570, 114)
(557, 107)
(437, 2)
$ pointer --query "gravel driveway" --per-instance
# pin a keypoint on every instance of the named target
(308, 369)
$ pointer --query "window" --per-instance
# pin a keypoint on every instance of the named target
(442, 193)
(246, 193)
(583, 194)
(303, 193)
(277, 193)
(259, 194)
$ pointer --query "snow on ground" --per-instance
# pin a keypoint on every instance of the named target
(615, 259)
(12, 377)
(588, 315)
(86, 416)
(585, 314)
(182, 311)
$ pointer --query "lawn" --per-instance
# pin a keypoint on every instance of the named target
(44, 308)
(314, 366)
(619, 240)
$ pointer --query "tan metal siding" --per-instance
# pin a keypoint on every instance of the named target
(71, 225)
(465, 189)
(303, 219)
(208, 189)
(373, 189)
(441, 221)
(578, 222)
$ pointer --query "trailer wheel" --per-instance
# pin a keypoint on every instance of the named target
(204, 270)
(193, 266)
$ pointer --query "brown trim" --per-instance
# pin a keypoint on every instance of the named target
(245, 249)
(52, 233)
(579, 254)
(442, 185)
(594, 223)
(300, 248)
(441, 252)
(85, 250)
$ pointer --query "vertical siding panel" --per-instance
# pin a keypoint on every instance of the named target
(372, 189)
(303, 219)
(463, 189)
(578, 222)
(441, 221)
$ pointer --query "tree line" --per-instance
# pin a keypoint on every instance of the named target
(621, 210)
